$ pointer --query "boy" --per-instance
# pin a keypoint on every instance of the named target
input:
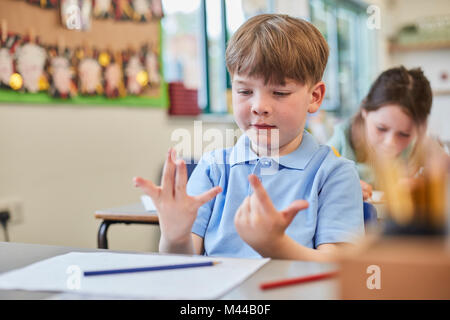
(276, 63)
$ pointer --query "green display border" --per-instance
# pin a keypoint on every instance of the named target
(161, 101)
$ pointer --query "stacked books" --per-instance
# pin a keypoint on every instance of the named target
(183, 101)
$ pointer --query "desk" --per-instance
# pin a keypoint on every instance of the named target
(132, 213)
(135, 213)
(17, 255)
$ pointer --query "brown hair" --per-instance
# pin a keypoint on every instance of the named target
(408, 89)
(276, 47)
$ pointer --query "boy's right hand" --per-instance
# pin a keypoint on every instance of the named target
(177, 210)
(366, 190)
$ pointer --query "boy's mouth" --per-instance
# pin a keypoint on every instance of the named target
(262, 126)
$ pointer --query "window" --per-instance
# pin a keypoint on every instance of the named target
(180, 41)
(216, 56)
(352, 64)
(324, 18)
(182, 44)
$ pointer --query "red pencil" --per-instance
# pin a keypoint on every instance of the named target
(287, 282)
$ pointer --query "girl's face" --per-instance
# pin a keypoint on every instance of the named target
(389, 130)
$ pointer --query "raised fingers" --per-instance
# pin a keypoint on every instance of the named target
(207, 196)
(168, 178)
(148, 187)
(366, 187)
(291, 211)
(259, 191)
(180, 178)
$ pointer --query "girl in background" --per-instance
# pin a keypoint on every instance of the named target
(391, 122)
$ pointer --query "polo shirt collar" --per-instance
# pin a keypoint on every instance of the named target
(298, 159)
(241, 152)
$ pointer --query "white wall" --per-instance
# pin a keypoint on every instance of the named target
(408, 11)
(65, 162)
(394, 15)
(298, 8)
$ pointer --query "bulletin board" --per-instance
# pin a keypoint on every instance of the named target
(104, 34)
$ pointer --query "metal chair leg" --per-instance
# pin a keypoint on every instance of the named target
(102, 241)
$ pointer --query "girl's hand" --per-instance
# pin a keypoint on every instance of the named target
(366, 190)
(177, 211)
(258, 222)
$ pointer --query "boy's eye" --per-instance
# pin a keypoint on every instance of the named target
(281, 94)
(404, 135)
(244, 92)
(381, 129)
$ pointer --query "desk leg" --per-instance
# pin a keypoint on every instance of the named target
(102, 241)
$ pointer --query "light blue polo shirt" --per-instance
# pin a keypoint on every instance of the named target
(312, 172)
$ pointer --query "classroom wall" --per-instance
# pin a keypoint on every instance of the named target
(298, 8)
(65, 162)
(433, 62)
(382, 54)
(408, 11)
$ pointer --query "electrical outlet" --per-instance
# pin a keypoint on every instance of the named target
(14, 207)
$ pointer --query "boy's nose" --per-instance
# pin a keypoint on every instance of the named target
(260, 112)
(261, 107)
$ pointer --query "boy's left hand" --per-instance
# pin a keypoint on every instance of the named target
(257, 221)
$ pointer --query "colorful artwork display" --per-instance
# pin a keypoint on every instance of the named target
(28, 66)
(78, 12)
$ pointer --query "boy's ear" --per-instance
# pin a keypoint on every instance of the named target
(317, 95)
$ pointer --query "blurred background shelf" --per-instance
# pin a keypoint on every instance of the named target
(395, 47)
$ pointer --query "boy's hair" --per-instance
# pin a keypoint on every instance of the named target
(276, 47)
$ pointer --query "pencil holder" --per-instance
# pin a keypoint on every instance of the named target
(421, 209)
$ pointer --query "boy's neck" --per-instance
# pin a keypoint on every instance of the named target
(282, 151)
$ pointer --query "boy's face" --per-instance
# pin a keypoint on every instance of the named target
(273, 116)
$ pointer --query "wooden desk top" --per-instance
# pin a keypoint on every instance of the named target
(133, 212)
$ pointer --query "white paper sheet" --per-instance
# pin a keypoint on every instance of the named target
(60, 273)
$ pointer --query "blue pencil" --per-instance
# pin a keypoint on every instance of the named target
(154, 268)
